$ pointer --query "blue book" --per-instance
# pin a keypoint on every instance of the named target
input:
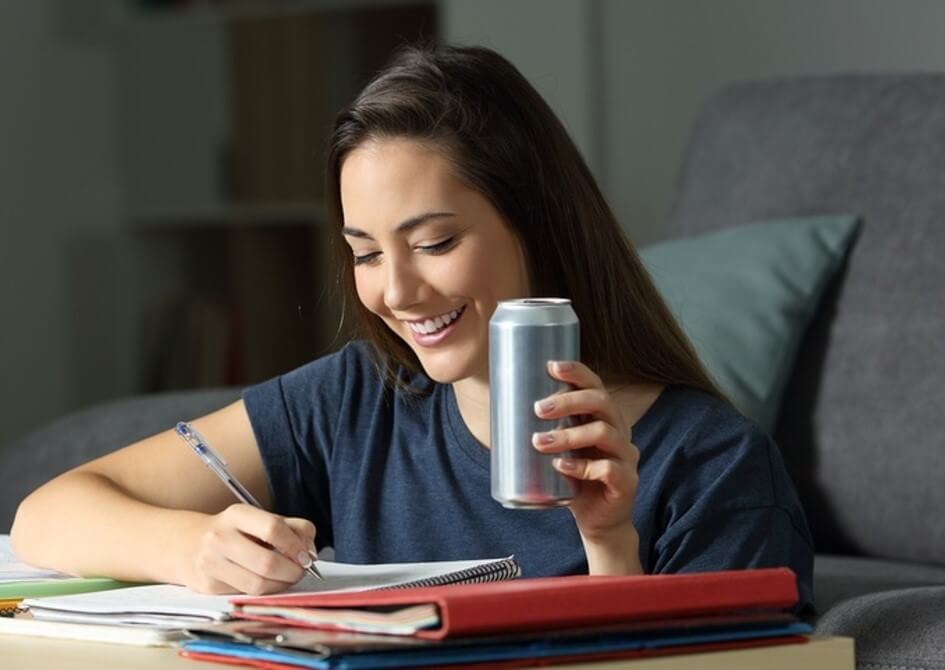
(418, 653)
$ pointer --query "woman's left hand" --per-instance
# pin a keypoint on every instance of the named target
(605, 463)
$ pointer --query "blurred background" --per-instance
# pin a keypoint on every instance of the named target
(160, 161)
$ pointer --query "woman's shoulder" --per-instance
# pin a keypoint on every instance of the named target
(706, 448)
(354, 358)
(690, 416)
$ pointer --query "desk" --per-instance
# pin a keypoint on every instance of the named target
(21, 653)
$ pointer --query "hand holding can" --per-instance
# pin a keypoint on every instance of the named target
(597, 453)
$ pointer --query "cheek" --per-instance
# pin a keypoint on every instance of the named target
(492, 270)
(453, 275)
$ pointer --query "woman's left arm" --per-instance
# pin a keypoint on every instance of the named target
(605, 468)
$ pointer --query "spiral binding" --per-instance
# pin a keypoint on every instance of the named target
(486, 572)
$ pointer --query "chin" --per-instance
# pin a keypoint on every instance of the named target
(447, 367)
(444, 374)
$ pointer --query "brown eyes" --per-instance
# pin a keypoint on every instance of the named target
(366, 258)
(439, 247)
(432, 249)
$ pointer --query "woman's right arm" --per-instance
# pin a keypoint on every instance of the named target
(153, 512)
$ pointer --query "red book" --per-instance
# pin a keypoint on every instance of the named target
(556, 603)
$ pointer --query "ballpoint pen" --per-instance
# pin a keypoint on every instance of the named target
(217, 466)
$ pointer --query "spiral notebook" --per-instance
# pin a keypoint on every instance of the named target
(168, 606)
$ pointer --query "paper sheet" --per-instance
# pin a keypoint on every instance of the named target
(14, 570)
(179, 606)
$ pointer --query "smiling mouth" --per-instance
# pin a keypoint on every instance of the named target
(435, 325)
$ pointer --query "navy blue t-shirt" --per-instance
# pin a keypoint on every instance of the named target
(387, 476)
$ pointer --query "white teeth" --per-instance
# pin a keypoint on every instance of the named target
(433, 325)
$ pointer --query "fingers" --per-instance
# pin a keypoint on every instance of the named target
(616, 470)
(275, 531)
(305, 530)
(575, 372)
(253, 551)
(600, 434)
(227, 561)
(266, 561)
(593, 401)
(618, 479)
(236, 574)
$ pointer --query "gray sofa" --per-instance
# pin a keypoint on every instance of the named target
(863, 416)
(81, 436)
(862, 422)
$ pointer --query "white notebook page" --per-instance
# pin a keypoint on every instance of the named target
(177, 606)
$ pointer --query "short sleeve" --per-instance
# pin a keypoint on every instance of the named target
(733, 506)
(294, 419)
(753, 538)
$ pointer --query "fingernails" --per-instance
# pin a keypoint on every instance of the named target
(542, 438)
(565, 464)
(563, 366)
(304, 559)
(544, 406)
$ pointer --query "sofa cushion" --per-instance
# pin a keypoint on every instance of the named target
(745, 295)
(863, 416)
(839, 578)
(894, 630)
(81, 436)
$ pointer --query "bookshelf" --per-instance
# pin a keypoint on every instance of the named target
(227, 108)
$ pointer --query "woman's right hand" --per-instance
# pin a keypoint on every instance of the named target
(244, 549)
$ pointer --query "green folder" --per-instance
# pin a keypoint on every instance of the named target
(57, 587)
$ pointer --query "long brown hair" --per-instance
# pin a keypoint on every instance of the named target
(505, 142)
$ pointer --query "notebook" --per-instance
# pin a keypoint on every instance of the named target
(24, 624)
(636, 633)
(169, 606)
(547, 603)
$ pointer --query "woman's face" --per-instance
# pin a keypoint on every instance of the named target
(432, 256)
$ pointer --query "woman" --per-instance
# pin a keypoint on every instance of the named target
(451, 186)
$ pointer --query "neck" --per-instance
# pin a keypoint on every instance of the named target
(472, 397)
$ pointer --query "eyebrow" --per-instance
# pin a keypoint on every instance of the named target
(403, 227)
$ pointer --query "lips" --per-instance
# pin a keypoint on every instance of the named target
(439, 328)
(431, 326)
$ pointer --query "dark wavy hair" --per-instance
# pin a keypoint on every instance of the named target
(504, 141)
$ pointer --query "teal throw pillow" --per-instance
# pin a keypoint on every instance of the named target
(745, 296)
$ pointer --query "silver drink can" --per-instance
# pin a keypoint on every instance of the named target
(523, 336)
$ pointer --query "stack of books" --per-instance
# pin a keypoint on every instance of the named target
(507, 624)
(456, 614)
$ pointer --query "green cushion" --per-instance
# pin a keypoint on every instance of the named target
(745, 295)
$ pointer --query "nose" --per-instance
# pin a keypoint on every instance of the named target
(403, 285)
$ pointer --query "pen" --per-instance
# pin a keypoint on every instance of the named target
(217, 466)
